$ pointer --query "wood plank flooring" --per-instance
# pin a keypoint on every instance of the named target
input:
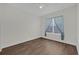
(40, 46)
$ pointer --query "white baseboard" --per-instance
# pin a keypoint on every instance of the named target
(59, 40)
(28, 39)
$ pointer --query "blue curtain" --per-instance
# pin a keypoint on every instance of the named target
(59, 21)
(49, 25)
(59, 24)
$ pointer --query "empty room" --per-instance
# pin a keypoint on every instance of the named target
(39, 29)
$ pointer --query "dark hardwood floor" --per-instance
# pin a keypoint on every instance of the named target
(40, 46)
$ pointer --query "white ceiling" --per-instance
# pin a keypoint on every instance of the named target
(33, 8)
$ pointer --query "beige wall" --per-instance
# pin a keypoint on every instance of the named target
(69, 24)
(17, 26)
(78, 28)
(1, 18)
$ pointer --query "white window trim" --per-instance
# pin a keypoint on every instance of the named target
(53, 24)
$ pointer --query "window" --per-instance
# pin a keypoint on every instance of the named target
(55, 25)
